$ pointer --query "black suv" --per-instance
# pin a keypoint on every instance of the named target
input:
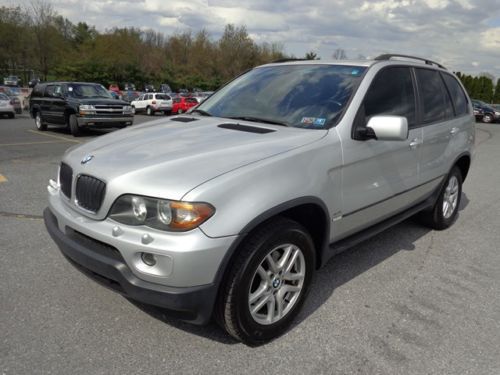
(484, 112)
(77, 105)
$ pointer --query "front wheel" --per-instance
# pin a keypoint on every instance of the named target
(267, 283)
(73, 126)
(487, 118)
(445, 211)
(40, 125)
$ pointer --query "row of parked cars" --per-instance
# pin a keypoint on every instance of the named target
(79, 105)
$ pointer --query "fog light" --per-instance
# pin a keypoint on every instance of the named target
(149, 259)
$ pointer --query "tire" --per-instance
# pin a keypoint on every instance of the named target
(12, 115)
(149, 111)
(179, 111)
(445, 210)
(487, 118)
(40, 125)
(167, 113)
(251, 276)
(75, 130)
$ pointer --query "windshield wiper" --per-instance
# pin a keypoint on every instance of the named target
(258, 119)
(201, 112)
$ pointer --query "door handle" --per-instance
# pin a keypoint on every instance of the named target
(454, 131)
(415, 143)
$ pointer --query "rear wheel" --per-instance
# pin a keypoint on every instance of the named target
(267, 283)
(149, 111)
(73, 126)
(12, 115)
(445, 211)
(40, 125)
(179, 111)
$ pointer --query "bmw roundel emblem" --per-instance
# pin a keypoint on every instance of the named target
(87, 158)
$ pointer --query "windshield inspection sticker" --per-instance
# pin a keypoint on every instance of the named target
(314, 121)
(319, 121)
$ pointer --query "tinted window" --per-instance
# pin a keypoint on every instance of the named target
(391, 93)
(457, 94)
(162, 97)
(433, 95)
(38, 90)
(306, 96)
(3, 96)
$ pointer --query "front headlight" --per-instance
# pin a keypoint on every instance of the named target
(128, 109)
(86, 109)
(497, 113)
(160, 214)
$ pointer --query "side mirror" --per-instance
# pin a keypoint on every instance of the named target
(389, 128)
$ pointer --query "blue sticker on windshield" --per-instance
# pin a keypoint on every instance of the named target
(355, 72)
(319, 121)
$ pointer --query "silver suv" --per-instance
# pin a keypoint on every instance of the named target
(229, 210)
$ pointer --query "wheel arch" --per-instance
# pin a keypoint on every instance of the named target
(463, 163)
(310, 212)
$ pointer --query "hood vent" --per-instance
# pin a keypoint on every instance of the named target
(184, 119)
(246, 128)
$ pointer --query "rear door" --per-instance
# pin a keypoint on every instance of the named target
(438, 123)
(380, 178)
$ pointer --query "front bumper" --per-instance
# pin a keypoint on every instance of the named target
(89, 120)
(106, 266)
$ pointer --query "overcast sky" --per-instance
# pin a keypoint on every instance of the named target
(464, 35)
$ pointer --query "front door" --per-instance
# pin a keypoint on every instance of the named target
(380, 178)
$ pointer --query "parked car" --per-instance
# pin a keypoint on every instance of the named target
(182, 104)
(77, 106)
(151, 103)
(12, 81)
(165, 88)
(116, 89)
(229, 212)
(6, 107)
(149, 88)
(16, 97)
(33, 82)
(130, 95)
(127, 86)
(485, 112)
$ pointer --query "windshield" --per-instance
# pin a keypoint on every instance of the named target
(82, 91)
(305, 96)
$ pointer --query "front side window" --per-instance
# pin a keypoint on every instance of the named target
(391, 93)
(436, 105)
(305, 96)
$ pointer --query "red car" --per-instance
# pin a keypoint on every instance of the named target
(115, 88)
(181, 104)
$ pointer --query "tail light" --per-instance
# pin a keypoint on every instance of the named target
(12, 102)
(153, 102)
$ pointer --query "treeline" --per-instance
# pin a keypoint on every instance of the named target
(481, 87)
(38, 41)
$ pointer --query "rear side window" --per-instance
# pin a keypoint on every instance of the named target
(435, 102)
(457, 95)
(38, 91)
(391, 93)
(49, 91)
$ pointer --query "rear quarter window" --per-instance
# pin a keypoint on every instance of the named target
(457, 94)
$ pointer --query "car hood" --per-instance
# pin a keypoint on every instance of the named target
(167, 158)
(98, 101)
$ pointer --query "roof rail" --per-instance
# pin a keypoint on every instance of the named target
(287, 60)
(388, 56)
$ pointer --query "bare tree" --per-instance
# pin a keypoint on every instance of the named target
(339, 54)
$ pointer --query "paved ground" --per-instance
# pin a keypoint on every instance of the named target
(409, 301)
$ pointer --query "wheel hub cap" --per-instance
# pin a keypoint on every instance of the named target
(450, 197)
(277, 284)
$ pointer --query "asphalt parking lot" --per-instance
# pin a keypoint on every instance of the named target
(409, 301)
